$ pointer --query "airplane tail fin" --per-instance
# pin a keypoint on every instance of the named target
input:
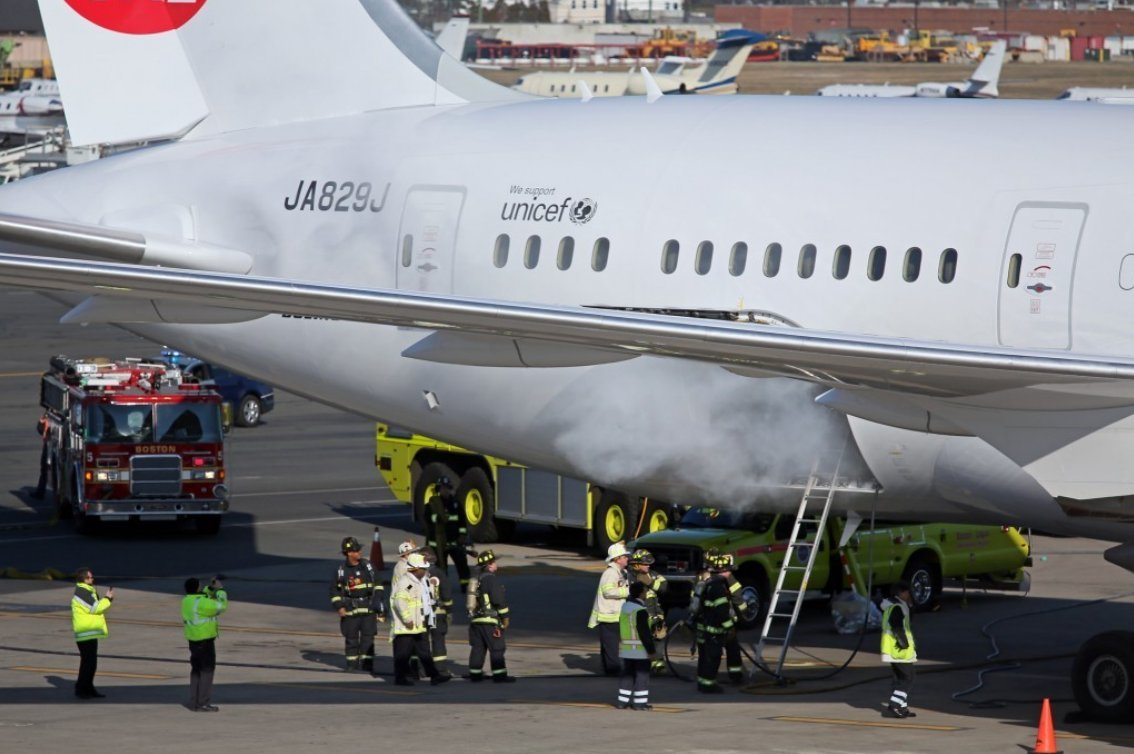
(452, 37)
(986, 78)
(133, 71)
(726, 62)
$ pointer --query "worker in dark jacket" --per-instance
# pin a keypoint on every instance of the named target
(712, 615)
(637, 648)
(441, 596)
(447, 530)
(655, 586)
(360, 600)
(488, 620)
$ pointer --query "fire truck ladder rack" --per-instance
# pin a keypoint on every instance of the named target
(820, 487)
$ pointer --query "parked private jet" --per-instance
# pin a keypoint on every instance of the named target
(1096, 94)
(675, 75)
(541, 280)
(983, 83)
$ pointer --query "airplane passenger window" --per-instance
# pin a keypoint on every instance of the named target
(807, 260)
(1014, 270)
(500, 258)
(738, 259)
(704, 259)
(600, 254)
(948, 269)
(876, 265)
(912, 268)
(566, 252)
(772, 260)
(407, 249)
(841, 267)
(669, 256)
(531, 252)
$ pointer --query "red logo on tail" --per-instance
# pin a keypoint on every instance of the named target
(137, 16)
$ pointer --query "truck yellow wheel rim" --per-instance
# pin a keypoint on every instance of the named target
(658, 520)
(474, 507)
(614, 523)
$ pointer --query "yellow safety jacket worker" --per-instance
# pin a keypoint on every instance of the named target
(87, 608)
(630, 645)
(408, 603)
(892, 650)
(613, 589)
(199, 613)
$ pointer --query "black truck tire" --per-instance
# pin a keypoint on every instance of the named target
(478, 498)
(1102, 677)
(615, 519)
(426, 487)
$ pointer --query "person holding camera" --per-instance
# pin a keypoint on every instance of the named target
(88, 620)
(200, 609)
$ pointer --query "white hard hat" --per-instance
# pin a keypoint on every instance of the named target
(616, 550)
(417, 560)
(406, 547)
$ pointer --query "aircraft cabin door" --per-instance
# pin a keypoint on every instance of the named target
(1037, 275)
(428, 238)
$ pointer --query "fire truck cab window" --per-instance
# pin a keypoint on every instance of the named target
(188, 422)
(119, 423)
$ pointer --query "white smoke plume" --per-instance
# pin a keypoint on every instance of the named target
(653, 432)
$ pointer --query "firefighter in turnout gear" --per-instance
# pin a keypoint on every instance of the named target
(613, 589)
(360, 600)
(712, 615)
(636, 647)
(442, 597)
(412, 614)
(655, 585)
(447, 530)
(733, 661)
(488, 620)
(899, 649)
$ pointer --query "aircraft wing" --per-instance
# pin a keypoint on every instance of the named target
(911, 368)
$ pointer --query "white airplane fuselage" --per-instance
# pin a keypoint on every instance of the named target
(334, 201)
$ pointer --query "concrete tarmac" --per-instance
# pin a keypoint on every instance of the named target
(305, 479)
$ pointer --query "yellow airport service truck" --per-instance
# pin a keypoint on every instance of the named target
(925, 555)
(497, 494)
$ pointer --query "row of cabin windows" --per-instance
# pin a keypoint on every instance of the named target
(805, 267)
(565, 254)
(594, 4)
(563, 88)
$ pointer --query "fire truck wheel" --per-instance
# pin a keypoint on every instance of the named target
(426, 487)
(476, 495)
(615, 519)
(924, 577)
(207, 525)
(249, 411)
(754, 591)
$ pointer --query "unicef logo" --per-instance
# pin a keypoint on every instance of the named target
(583, 210)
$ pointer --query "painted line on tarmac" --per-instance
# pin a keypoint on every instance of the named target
(351, 689)
(291, 493)
(592, 705)
(6, 375)
(112, 674)
(866, 723)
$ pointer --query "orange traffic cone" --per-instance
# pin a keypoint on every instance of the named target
(1045, 737)
(376, 551)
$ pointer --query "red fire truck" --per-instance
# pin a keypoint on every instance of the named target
(132, 440)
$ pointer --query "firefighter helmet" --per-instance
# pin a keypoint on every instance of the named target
(642, 556)
(350, 544)
(443, 483)
(486, 557)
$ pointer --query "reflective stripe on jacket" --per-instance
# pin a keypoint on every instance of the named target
(630, 645)
(891, 647)
(613, 589)
(408, 606)
(87, 608)
(199, 613)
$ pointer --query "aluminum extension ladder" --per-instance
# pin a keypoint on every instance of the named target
(819, 488)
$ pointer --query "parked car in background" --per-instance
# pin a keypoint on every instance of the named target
(249, 399)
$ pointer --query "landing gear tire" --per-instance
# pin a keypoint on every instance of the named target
(476, 495)
(924, 578)
(426, 487)
(249, 412)
(616, 518)
(1102, 677)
